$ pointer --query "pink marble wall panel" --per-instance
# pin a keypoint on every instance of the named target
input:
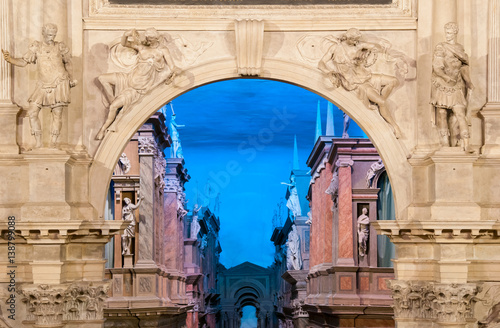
(345, 213)
(364, 283)
(170, 238)
(345, 283)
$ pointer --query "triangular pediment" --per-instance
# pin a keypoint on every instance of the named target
(247, 268)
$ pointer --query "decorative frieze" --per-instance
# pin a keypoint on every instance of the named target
(451, 303)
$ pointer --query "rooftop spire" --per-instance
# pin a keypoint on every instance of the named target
(296, 165)
(319, 132)
(330, 130)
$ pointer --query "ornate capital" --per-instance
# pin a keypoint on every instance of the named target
(451, 303)
(48, 305)
(172, 185)
(147, 146)
(159, 169)
(45, 304)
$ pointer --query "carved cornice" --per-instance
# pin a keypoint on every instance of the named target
(450, 303)
(400, 15)
(411, 231)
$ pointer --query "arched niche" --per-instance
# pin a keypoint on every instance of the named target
(392, 151)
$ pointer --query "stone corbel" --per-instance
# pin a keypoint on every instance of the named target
(249, 46)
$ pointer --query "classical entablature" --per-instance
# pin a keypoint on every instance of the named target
(434, 185)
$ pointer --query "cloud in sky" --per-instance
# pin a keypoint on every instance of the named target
(238, 141)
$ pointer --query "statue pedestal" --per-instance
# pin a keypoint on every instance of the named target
(127, 261)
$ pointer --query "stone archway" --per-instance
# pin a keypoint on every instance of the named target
(391, 150)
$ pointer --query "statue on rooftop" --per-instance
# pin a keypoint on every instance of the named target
(293, 202)
(175, 148)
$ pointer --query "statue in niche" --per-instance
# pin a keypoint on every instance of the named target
(347, 64)
(372, 171)
(363, 232)
(195, 225)
(154, 65)
(55, 79)
(175, 148)
(347, 121)
(128, 215)
(451, 90)
(293, 202)
(293, 255)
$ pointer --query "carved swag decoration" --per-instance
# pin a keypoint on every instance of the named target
(52, 306)
(429, 300)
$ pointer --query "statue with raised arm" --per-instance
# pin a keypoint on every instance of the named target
(451, 90)
(175, 148)
(293, 202)
(347, 63)
(363, 232)
(128, 215)
(154, 65)
(55, 79)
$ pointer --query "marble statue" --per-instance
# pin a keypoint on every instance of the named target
(347, 121)
(55, 79)
(175, 148)
(123, 166)
(128, 215)
(451, 89)
(372, 171)
(154, 65)
(293, 202)
(293, 255)
(363, 232)
(309, 218)
(333, 189)
(195, 225)
(181, 201)
(347, 63)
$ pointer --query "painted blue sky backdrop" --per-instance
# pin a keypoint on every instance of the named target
(238, 142)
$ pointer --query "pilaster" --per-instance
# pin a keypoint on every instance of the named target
(345, 248)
